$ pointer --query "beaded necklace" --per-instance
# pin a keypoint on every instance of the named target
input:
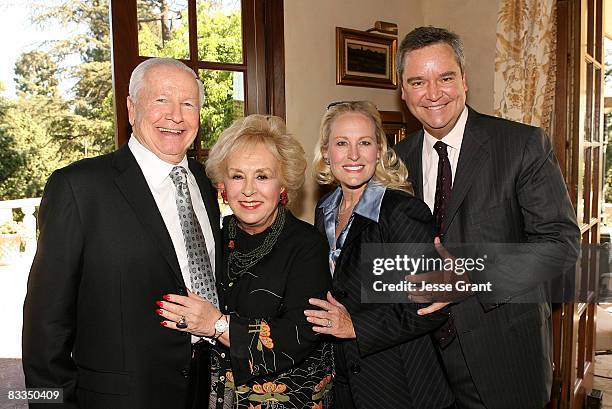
(238, 262)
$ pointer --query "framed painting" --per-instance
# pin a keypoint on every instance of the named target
(365, 59)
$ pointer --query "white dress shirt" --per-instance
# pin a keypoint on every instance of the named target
(430, 157)
(157, 175)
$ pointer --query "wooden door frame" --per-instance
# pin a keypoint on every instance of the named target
(574, 323)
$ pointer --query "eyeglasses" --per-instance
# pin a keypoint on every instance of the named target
(333, 104)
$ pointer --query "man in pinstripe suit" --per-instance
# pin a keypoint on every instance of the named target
(506, 188)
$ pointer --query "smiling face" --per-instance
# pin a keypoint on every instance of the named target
(253, 186)
(352, 150)
(434, 88)
(165, 114)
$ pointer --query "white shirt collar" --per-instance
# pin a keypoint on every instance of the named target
(154, 169)
(453, 138)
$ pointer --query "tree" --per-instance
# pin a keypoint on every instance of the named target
(10, 159)
(36, 74)
(219, 39)
(41, 130)
(29, 152)
(25, 125)
(89, 126)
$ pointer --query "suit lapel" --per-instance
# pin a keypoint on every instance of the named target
(359, 223)
(473, 154)
(133, 186)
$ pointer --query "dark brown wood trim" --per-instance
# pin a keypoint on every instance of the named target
(249, 54)
(192, 18)
(257, 64)
(562, 316)
(275, 57)
(561, 88)
(224, 66)
(124, 43)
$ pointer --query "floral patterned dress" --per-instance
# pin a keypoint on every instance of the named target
(275, 360)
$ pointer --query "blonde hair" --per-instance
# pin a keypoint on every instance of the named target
(271, 132)
(390, 170)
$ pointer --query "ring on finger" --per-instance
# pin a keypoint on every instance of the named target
(182, 324)
(329, 323)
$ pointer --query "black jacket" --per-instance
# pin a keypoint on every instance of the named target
(508, 189)
(104, 257)
(391, 364)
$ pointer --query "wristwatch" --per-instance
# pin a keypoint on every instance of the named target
(221, 326)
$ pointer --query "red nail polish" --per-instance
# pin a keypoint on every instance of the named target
(166, 297)
(159, 312)
(159, 304)
(164, 323)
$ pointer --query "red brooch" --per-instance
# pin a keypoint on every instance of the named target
(231, 245)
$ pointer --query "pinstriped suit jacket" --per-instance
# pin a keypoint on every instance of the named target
(508, 189)
(386, 367)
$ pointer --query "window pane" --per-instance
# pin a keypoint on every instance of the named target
(220, 31)
(224, 102)
(163, 28)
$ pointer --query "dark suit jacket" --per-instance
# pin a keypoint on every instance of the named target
(104, 257)
(508, 189)
(386, 367)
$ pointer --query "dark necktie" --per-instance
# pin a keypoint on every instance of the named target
(447, 332)
(443, 185)
(200, 269)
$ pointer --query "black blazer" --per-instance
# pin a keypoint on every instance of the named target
(104, 257)
(508, 189)
(385, 366)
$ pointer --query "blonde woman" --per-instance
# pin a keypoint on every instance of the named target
(266, 354)
(382, 360)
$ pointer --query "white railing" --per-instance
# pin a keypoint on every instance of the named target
(28, 207)
(14, 274)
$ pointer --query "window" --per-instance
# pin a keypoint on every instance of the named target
(239, 59)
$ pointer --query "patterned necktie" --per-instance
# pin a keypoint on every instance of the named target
(443, 185)
(200, 269)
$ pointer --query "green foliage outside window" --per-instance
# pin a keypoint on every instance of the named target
(219, 40)
(41, 130)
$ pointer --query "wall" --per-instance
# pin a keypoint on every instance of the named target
(310, 59)
(310, 66)
(475, 21)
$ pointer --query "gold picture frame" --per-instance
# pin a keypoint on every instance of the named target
(365, 59)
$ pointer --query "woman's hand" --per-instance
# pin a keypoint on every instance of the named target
(333, 319)
(199, 314)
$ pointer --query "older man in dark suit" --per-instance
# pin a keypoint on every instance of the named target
(487, 180)
(110, 245)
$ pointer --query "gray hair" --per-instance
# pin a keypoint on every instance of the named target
(424, 36)
(137, 77)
